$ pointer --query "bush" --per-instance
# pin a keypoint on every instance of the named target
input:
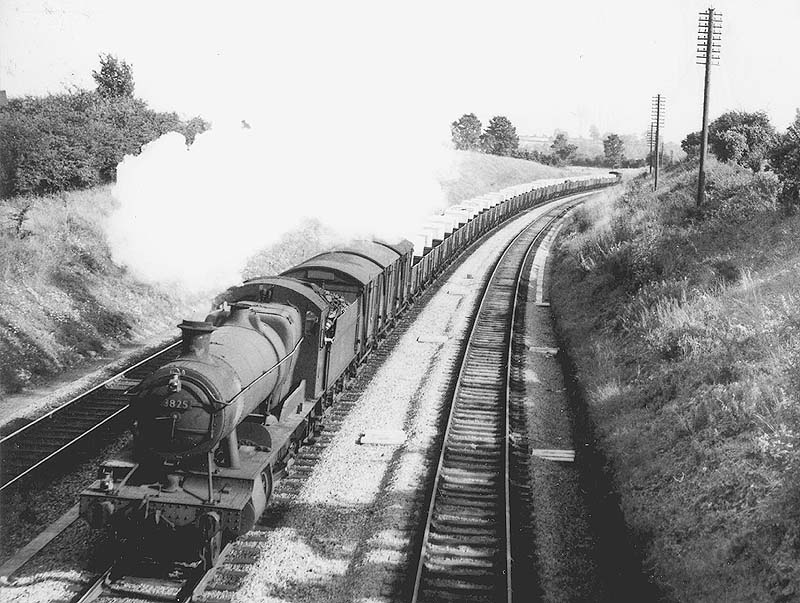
(736, 195)
(785, 160)
(741, 137)
(71, 141)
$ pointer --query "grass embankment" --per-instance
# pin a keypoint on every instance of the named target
(472, 174)
(477, 173)
(63, 301)
(685, 327)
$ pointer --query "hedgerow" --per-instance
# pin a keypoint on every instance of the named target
(75, 140)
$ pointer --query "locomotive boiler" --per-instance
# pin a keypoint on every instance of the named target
(191, 405)
(204, 441)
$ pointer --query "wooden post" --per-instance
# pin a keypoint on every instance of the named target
(707, 54)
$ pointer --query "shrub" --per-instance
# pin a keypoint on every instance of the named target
(736, 195)
(115, 78)
(741, 137)
(785, 160)
(70, 141)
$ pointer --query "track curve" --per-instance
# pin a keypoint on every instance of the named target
(467, 552)
(38, 442)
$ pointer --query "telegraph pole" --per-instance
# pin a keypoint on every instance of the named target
(709, 30)
(3, 97)
(657, 121)
(650, 141)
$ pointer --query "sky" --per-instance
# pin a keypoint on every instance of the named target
(350, 102)
(545, 65)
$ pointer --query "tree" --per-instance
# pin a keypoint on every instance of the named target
(115, 78)
(487, 143)
(614, 150)
(562, 149)
(785, 161)
(742, 137)
(68, 141)
(466, 132)
(691, 144)
(594, 132)
(500, 137)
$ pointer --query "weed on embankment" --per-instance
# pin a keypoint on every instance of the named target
(684, 324)
(62, 298)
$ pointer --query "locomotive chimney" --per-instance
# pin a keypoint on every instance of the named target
(196, 336)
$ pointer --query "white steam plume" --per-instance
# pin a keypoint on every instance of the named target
(347, 128)
(194, 215)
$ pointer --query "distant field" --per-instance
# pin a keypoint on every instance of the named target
(476, 173)
(65, 303)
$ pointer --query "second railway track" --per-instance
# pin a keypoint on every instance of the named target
(467, 546)
(31, 446)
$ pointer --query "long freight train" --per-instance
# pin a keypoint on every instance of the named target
(252, 381)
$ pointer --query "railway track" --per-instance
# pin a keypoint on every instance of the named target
(219, 585)
(466, 552)
(223, 578)
(31, 446)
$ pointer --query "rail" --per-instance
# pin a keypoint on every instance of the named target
(466, 548)
(39, 441)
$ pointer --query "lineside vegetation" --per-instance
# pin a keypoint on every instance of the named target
(75, 140)
(684, 324)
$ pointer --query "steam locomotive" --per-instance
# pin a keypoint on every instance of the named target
(215, 426)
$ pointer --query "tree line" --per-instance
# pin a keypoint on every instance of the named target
(500, 138)
(76, 139)
(750, 140)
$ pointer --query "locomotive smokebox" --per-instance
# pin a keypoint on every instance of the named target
(224, 373)
(196, 336)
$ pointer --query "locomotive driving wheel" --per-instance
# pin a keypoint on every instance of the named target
(268, 483)
(259, 498)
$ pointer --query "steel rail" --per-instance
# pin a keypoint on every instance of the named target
(226, 573)
(91, 391)
(95, 588)
(7, 443)
(474, 557)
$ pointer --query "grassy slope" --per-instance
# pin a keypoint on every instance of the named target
(472, 174)
(685, 328)
(476, 173)
(63, 301)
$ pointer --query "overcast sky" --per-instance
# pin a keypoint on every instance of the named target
(545, 65)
